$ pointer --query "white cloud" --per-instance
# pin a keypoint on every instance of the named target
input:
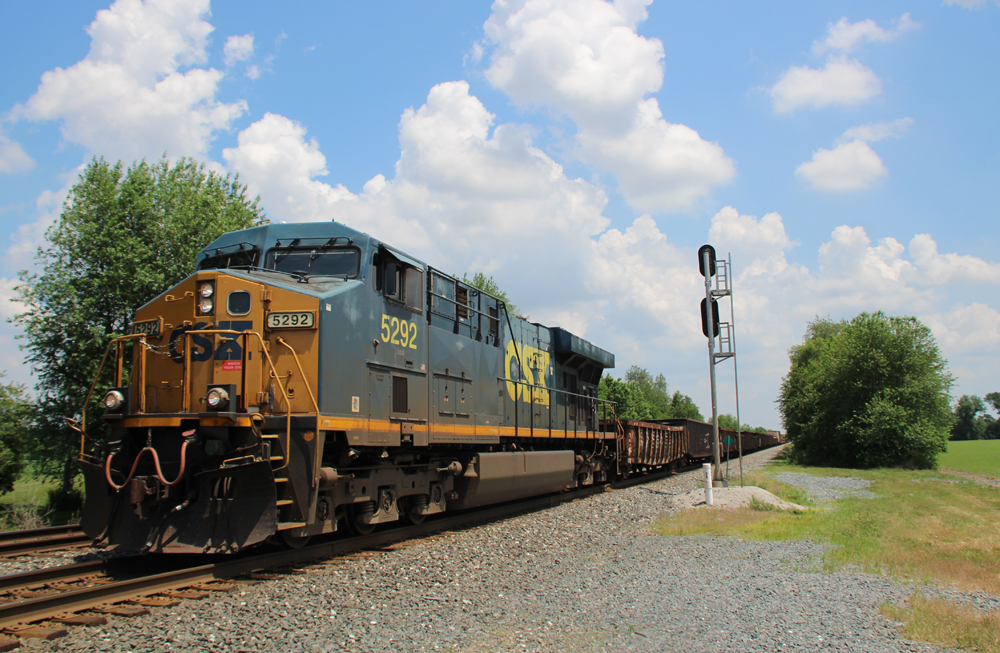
(852, 164)
(877, 131)
(129, 97)
(939, 269)
(456, 184)
(660, 166)
(844, 36)
(967, 329)
(579, 57)
(237, 48)
(273, 156)
(253, 72)
(13, 158)
(842, 82)
(849, 166)
(583, 59)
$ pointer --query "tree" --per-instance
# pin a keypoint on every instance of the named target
(993, 424)
(969, 421)
(124, 237)
(15, 418)
(631, 402)
(872, 392)
(727, 421)
(683, 407)
(654, 390)
(488, 285)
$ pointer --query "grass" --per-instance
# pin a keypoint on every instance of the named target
(947, 624)
(973, 456)
(922, 526)
(29, 491)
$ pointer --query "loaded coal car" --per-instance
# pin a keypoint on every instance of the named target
(308, 377)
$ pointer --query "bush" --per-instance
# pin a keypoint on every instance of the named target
(61, 500)
(872, 392)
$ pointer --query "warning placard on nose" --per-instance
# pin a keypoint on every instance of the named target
(232, 366)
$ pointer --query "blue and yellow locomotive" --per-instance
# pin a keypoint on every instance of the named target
(308, 377)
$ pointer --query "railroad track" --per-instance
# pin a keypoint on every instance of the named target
(81, 593)
(39, 540)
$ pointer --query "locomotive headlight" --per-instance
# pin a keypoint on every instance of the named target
(114, 400)
(206, 289)
(205, 306)
(217, 398)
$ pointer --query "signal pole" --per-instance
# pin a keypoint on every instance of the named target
(710, 321)
(709, 267)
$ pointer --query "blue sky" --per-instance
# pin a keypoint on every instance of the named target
(846, 154)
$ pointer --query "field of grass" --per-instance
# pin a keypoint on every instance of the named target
(973, 456)
(29, 491)
(922, 526)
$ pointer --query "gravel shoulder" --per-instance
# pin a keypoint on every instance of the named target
(584, 576)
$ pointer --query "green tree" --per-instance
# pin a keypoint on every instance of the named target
(488, 285)
(727, 421)
(631, 402)
(969, 419)
(992, 424)
(872, 392)
(124, 237)
(15, 419)
(654, 390)
(683, 407)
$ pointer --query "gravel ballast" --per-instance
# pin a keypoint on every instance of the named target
(590, 575)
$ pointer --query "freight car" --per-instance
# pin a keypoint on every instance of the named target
(309, 377)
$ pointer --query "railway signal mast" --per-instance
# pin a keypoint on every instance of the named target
(713, 268)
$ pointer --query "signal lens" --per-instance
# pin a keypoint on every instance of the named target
(206, 306)
(206, 289)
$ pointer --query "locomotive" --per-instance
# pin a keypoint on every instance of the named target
(309, 377)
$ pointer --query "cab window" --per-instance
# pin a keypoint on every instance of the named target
(399, 281)
(315, 262)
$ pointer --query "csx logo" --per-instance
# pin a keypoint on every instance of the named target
(202, 347)
(535, 365)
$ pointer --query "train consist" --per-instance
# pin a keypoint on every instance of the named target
(308, 377)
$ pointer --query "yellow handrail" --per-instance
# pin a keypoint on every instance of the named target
(185, 398)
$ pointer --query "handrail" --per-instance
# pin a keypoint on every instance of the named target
(301, 373)
(533, 386)
(185, 396)
(100, 368)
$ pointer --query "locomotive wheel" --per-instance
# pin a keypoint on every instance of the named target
(295, 541)
(354, 512)
(414, 502)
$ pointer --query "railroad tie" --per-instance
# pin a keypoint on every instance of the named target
(80, 619)
(47, 633)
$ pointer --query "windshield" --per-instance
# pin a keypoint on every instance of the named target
(228, 257)
(335, 262)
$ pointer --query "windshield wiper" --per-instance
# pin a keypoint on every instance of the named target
(295, 274)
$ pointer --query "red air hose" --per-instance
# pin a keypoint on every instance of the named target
(156, 462)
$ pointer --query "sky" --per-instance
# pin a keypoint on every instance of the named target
(844, 155)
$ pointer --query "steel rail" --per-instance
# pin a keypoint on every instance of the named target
(61, 574)
(80, 599)
(8, 536)
(10, 548)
